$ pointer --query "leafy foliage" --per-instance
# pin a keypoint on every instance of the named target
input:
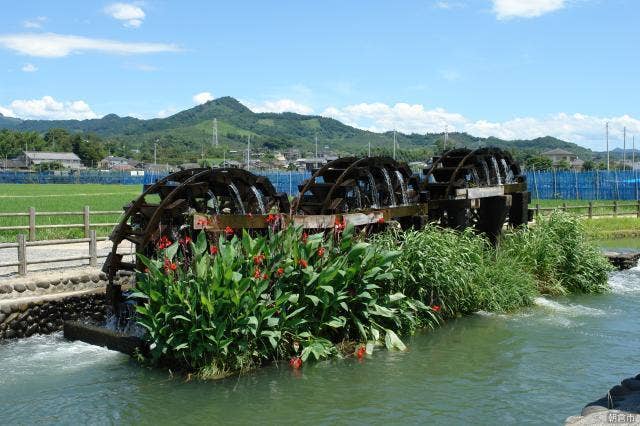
(558, 252)
(229, 305)
(266, 298)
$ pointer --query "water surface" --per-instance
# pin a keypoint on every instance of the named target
(537, 366)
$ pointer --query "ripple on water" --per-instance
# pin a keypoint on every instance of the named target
(625, 282)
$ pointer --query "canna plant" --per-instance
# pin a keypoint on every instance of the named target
(233, 303)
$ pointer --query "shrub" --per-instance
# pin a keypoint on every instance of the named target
(458, 271)
(233, 305)
(560, 255)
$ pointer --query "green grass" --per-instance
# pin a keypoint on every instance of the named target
(17, 198)
(624, 207)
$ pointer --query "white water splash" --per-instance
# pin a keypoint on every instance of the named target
(568, 310)
(625, 282)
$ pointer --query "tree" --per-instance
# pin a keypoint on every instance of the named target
(539, 162)
(588, 165)
(563, 165)
(89, 149)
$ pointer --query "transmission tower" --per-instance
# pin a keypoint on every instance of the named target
(214, 139)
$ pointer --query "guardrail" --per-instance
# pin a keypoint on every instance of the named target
(22, 245)
(588, 209)
(86, 224)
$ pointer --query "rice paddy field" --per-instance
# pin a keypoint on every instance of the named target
(18, 198)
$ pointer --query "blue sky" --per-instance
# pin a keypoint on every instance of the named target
(509, 68)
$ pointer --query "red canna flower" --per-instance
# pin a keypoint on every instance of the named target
(257, 273)
(295, 362)
(436, 308)
(305, 236)
(213, 250)
(228, 231)
(280, 272)
(173, 266)
(257, 260)
(303, 263)
(265, 276)
(187, 239)
(340, 225)
(146, 270)
(361, 352)
(320, 251)
(381, 220)
(164, 242)
(271, 218)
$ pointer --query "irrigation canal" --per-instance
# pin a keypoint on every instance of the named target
(537, 366)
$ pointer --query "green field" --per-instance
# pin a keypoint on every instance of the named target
(62, 197)
(73, 197)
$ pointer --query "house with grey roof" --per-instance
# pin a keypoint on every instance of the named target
(68, 160)
(558, 155)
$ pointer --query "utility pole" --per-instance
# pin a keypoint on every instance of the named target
(607, 139)
(446, 137)
(624, 147)
(369, 149)
(214, 140)
(394, 144)
(316, 165)
(633, 151)
(155, 151)
(248, 151)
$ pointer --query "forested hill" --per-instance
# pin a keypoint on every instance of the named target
(185, 135)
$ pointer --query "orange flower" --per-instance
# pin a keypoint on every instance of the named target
(280, 272)
(257, 273)
(305, 236)
(436, 308)
(257, 260)
(295, 362)
(303, 263)
(361, 352)
(340, 225)
(228, 231)
(320, 251)
(265, 276)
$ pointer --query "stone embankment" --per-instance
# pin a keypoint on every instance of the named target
(39, 303)
(621, 405)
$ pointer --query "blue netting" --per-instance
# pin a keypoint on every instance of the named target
(594, 185)
(283, 181)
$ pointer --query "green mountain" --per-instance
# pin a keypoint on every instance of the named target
(187, 135)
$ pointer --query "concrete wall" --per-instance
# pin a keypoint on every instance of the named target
(40, 303)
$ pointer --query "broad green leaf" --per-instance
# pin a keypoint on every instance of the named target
(313, 299)
(392, 341)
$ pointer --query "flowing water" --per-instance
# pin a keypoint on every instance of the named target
(375, 196)
(259, 199)
(237, 198)
(537, 366)
(494, 162)
(212, 203)
(403, 188)
(387, 181)
(485, 168)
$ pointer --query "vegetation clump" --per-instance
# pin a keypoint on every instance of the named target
(229, 305)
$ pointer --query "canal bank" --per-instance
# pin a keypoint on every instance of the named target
(540, 365)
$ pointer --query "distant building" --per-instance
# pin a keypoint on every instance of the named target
(111, 162)
(310, 164)
(558, 156)
(68, 160)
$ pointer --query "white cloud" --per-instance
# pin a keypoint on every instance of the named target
(51, 45)
(166, 112)
(450, 74)
(48, 108)
(34, 23)
(129, 14)
(506, 9)
(280, 105)
(582, 129)
(29, 68)
(447, 5)
(202, 97)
